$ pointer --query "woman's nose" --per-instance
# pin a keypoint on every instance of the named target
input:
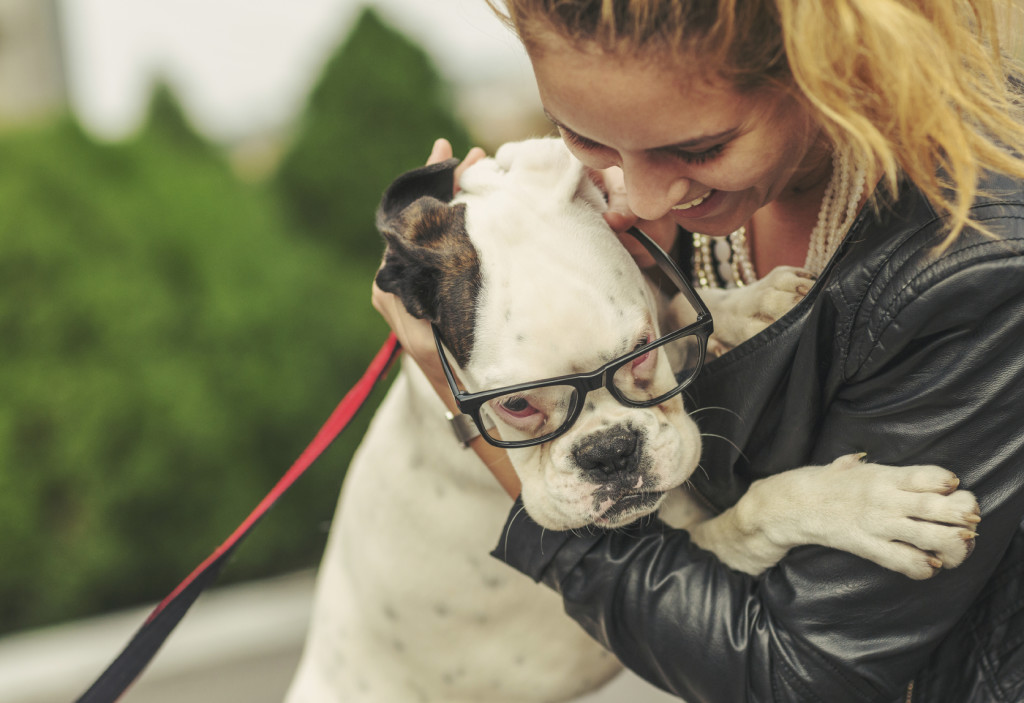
(652, 188)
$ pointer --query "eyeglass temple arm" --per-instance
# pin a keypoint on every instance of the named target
(667, 265)
(446, 367)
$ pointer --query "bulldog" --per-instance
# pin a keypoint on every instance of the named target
(576, 362)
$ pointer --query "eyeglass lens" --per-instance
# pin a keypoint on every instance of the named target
(649, 378)
(660, 371)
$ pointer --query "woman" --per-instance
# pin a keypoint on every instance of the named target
(875, 142)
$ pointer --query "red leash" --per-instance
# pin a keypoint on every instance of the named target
(144, 645)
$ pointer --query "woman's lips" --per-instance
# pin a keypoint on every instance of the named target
(697, 208)
(693, 203)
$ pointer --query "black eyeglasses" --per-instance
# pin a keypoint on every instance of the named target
(540, 411)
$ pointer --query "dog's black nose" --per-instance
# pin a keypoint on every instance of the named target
(607, 453)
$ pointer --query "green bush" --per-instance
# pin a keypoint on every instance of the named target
(375, 112)
(171, 337)
(167, 348)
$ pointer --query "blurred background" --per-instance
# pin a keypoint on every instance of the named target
(187, 190)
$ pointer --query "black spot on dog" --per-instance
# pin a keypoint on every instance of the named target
(430, 262)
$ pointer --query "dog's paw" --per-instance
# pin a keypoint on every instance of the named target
(741, 313)
(911, 519)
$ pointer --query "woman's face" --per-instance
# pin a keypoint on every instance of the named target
(688, 144)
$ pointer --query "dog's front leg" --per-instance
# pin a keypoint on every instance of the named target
(741, 313)
(909, 519)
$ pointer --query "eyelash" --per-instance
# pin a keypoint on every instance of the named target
(702, 156)
(687, 156)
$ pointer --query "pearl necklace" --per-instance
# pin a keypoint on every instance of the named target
(729, 259)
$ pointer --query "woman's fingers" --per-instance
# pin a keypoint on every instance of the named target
(475, 154)
(441, 151)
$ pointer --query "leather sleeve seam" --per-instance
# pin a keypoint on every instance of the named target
(897, 300)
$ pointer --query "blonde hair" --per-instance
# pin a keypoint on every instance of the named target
(920, 88)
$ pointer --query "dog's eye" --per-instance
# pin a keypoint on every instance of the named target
(642, 359)
(516, 406)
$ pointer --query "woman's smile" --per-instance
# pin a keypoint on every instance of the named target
(689, 147)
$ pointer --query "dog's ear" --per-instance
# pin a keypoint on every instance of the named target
(436, 181)
(430, 262)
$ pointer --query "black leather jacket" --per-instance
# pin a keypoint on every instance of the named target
(898, 352)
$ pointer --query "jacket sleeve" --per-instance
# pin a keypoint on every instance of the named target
(939, 378)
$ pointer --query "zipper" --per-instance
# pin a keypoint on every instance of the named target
(910, 692)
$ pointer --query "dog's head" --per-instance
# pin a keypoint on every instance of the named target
(525, 281)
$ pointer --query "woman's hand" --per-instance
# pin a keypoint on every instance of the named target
(621, 218)
(417, 342)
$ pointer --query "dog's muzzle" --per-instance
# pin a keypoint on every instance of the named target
(609, 455)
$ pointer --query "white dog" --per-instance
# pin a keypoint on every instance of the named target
(524, 282)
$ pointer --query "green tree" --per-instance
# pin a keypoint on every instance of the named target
(167, 347)
(376, 110)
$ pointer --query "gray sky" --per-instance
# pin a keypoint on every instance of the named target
(246, 65)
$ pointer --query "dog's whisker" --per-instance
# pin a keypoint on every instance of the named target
(717, 407)
(505, 546)
(727, 440)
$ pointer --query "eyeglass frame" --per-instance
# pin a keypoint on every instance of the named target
(583, 383)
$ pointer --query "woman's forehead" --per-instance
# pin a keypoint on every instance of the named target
(642, 105)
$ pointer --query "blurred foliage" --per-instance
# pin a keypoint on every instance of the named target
(169, 342)
(374, 113)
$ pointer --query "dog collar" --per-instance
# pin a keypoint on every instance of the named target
(463, 427)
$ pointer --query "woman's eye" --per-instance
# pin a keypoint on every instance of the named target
(700, 157)
(578, 141)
